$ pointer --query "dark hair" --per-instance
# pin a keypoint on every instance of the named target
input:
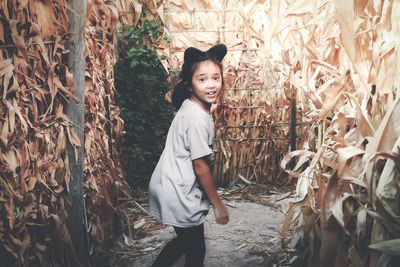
(180, 92)
(192, 57)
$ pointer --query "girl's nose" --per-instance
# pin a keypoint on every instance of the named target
(210, 84)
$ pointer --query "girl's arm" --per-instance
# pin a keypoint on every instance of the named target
(203, 174)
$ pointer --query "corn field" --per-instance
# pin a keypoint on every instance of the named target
(338, 61)
(311, 96)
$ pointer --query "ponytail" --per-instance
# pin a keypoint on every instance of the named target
(179, 94)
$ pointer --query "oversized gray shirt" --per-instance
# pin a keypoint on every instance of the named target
(175, 196)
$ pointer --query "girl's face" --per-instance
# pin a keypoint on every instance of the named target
(206, 83)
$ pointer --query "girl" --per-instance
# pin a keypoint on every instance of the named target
(182, 187)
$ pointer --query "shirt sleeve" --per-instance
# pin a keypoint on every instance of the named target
(197, 136)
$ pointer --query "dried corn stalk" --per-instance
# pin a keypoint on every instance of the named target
(347, 206)
(35, 85)
(34, 132)
(103, 173)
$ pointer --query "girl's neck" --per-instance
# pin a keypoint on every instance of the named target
(205, 106)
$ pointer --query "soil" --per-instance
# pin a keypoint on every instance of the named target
(251, 238)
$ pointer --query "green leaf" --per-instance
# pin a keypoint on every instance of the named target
(141, 83)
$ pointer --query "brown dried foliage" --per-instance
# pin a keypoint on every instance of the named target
(35, 87)
(104, 184)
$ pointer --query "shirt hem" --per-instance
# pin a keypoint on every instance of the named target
(182, 225)
(201, 155)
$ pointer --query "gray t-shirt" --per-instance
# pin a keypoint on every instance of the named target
(175, 195)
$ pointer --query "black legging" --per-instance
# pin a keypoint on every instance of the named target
(189, 241)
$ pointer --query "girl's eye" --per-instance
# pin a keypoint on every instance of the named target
(202, 79)
(217, 78)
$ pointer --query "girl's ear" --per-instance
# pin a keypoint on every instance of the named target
(193, 55)
(217, 52)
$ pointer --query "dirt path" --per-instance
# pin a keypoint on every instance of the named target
(251, 238)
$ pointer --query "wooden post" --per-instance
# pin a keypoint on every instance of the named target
(75, 112)
(292, 130)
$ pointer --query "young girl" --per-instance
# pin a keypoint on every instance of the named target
(182, 187)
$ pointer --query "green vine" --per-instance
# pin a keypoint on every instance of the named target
(141, 83)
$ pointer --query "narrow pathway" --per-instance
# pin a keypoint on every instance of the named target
(251, 238)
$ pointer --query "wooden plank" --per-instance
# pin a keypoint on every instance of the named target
(75, 111)
(293, 127)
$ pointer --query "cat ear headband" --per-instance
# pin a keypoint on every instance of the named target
(193, 55)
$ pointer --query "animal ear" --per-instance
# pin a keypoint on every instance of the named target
(192, 54)
(217, 51)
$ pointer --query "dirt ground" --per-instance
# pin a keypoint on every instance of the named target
(251, 238)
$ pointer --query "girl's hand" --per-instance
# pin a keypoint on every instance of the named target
(221, 214)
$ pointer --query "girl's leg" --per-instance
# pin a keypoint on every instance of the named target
(189, 241)
(170, 253)
(194, 245)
